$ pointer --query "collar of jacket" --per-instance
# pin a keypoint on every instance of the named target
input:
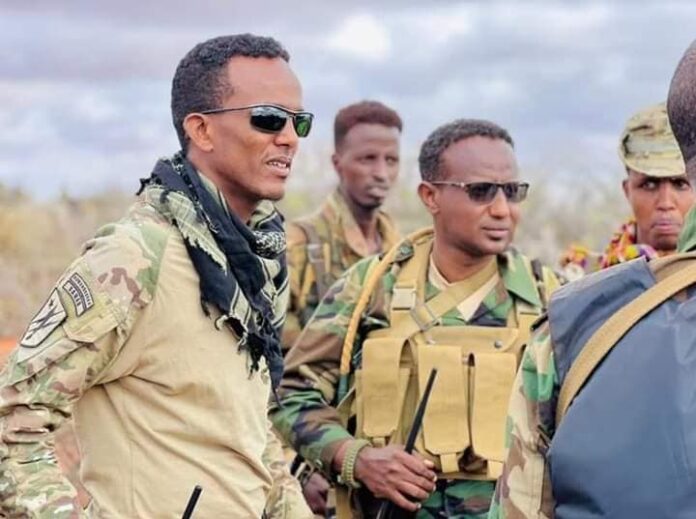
(513, 267)
(336, 208)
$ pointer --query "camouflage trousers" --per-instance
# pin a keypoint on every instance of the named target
(457, 499)
(452, 499)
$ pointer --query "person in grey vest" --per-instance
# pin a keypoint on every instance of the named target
(602, 421)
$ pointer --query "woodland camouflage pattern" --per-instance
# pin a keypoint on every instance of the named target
(524, 490)
(345, 244)
(40, 385)
(308, 419)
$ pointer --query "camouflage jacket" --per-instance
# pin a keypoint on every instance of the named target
(341, 245)
(123, 346)
(308, 419)
(524, 490)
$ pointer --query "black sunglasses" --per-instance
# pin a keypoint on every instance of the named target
(484, 192)
(272, 118)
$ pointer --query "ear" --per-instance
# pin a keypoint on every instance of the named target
(335, 161)
(625, 187)
(429, 195)
(198, 131)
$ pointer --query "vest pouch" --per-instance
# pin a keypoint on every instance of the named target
(383, 382)
(491, 377)
(475, 339)
(445, 425)
(489, 342)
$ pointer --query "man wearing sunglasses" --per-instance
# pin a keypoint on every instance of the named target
(656, 189)
(348, 226)
(162, 339)
(456, 298)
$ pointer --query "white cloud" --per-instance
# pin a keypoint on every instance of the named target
(562, 23)
(362, 36)
(84, 94)
(438, 24)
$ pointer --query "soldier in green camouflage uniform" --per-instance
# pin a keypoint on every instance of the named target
(163, 336)
(525, 491)
(350, 224)
(525, 467)
(471, 188)
(656, 189)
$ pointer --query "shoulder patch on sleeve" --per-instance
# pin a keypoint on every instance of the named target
(79, 293)
(48, 318)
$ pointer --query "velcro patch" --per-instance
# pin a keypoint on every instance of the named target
(50, 317)
(79, 293)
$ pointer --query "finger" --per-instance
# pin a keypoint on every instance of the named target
(425, 484)
(323, 486)
(399, 500)
(415, 465)
(413, 491)
(428, 463)
(401, 473)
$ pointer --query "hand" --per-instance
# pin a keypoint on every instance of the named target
(315, 491)
(391, 473)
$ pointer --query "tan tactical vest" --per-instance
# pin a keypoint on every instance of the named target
(464, 424)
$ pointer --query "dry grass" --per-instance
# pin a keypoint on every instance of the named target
(38, 240)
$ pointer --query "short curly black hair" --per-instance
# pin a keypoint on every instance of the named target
(370, 112)
(681, 108)
(429, 159)
(200, 81)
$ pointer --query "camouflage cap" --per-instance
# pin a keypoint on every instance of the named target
(648, 145)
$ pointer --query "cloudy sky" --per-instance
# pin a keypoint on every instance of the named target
(84, 85)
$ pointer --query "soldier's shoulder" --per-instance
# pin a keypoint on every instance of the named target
(142, 222)
(295, 234)
(128, 251)
(351, 283)
(308, 228)
(363, 267)
(530, 276)
(103, 289)
(519, 264)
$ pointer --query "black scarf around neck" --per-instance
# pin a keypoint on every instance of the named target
(242, 247)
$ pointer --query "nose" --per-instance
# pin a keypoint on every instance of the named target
(499, 206)
(666, 197)
(287, 137)
(380, 170)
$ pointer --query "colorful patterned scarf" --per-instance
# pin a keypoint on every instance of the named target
(623, 247)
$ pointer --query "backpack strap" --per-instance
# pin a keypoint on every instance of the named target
(318, 252)
(411, 314)
(673, 274)
(373, 279)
